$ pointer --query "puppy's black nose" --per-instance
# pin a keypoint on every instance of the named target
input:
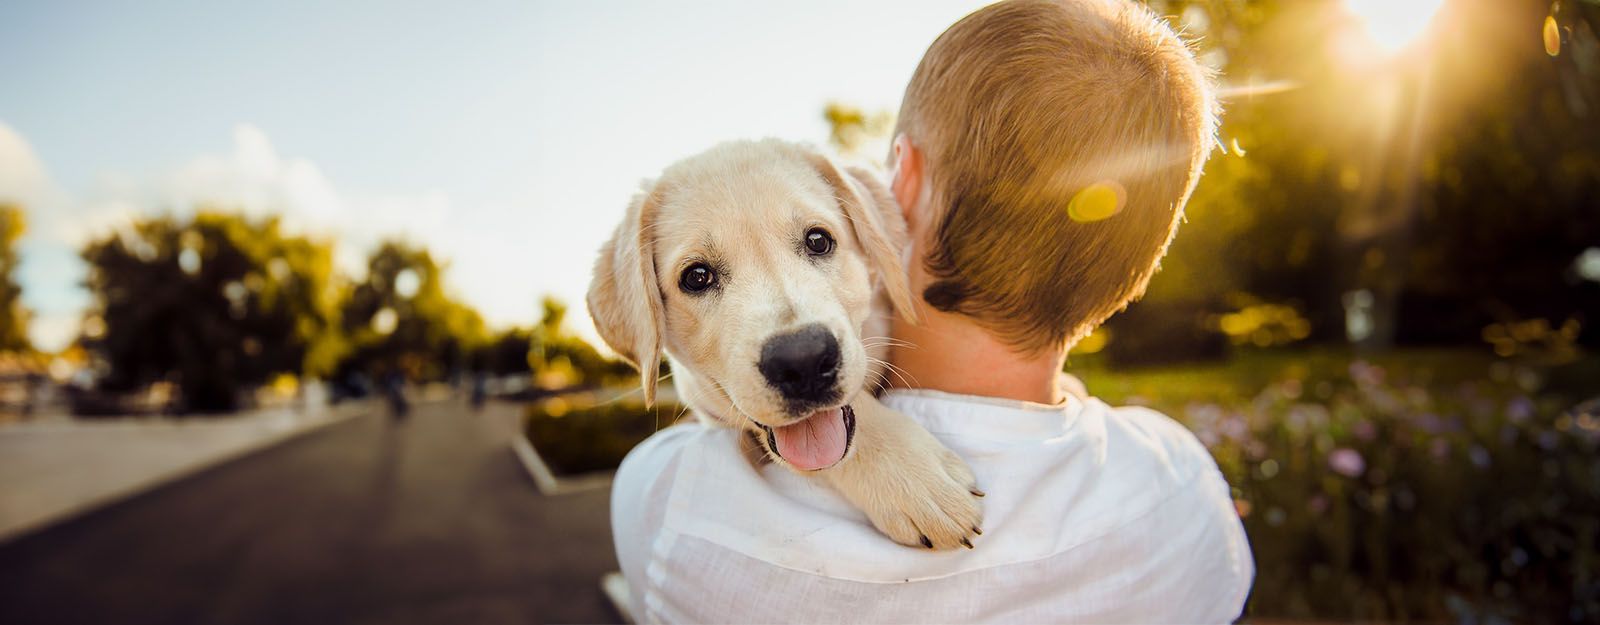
(803, 365)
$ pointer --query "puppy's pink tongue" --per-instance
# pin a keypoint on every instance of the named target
(815, 443)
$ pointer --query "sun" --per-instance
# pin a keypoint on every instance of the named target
(1393, 23)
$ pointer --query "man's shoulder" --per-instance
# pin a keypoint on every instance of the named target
(1155, 437)
(653, 458)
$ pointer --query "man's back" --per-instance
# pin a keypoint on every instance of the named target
(1093, 514)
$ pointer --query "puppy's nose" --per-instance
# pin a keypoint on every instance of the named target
(803, 365)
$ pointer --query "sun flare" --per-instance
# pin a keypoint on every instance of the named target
(1393, 23)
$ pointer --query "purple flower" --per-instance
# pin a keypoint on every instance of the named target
(1519, 410)
(1234, 427)
(1479, 456)
(1548, 440)
(1366, 373)
(1203, 414)
(1365, 430)
(1347, 462)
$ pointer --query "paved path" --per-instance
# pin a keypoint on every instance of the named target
(427, 520)
(55, 467)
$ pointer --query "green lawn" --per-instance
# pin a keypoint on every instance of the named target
(1245, 375)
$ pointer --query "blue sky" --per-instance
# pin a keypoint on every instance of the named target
(505, 136)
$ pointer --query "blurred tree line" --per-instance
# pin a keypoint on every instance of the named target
(13, 317)
(217, 305)
(1444, 194)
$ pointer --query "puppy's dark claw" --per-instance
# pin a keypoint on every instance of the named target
(966, 542)
(927, 543)
(974, 490)
(977, 531)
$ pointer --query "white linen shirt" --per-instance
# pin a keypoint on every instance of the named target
(1094, 514)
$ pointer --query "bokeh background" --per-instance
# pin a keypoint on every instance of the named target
(1382, 313)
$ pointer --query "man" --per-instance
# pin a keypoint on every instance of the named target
(1042, 158)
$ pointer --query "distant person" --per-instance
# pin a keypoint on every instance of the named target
(480, 391)
(394, 390)
(1043, 155)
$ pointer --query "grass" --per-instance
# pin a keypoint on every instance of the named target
(1241, 378)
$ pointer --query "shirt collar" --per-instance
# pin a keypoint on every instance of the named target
(991, 418)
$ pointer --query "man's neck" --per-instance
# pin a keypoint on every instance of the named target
(949, 353)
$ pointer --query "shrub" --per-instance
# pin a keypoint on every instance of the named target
(575, 435)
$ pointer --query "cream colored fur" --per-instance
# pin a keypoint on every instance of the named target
(744, 207)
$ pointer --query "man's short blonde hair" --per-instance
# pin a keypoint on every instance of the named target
(1037, 119)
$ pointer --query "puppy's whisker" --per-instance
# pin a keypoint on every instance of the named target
(887, 340)
(899, 373)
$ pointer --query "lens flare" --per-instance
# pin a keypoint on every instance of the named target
(1552, 36)
(1096, 202)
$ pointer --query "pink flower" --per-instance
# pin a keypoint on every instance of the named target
(1365, 430)
(1439, 447)
(1347, 462)
(1317, 504)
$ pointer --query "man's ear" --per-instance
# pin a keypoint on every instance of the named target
(624, 298)
(875, 218)
(906, 183)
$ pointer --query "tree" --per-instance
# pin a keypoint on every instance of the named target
(13, 317)
(563, 355)
(401, 319)
(506, 354)
(215, 304)
(1455, 183)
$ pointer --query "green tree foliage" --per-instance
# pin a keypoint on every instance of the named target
(506, 353)
(856, 133)
(216, 304)
(555, 350)
(400, 318)
(13, 317)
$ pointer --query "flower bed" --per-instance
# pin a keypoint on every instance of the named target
(573, 434)
(1457, 487)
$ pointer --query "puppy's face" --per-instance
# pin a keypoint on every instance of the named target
(764, 284)
(752, 264)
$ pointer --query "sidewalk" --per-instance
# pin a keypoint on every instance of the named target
(56, 467)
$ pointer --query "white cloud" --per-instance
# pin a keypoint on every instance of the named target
(21, 174)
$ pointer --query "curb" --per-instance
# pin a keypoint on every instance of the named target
(615, 588)
(336, 415)
(546, 481)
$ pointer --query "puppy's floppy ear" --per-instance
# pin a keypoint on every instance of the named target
(624, 298)
(875, 217)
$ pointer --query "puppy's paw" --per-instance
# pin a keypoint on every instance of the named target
(910, 485)
(933, 505)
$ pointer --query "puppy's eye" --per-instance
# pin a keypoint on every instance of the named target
(696, 278)
(818, 242)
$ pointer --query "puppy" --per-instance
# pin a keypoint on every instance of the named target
(767, 275)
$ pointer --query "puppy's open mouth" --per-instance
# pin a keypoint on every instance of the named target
(816, 442)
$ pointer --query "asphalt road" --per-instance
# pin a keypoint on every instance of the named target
(426, 520)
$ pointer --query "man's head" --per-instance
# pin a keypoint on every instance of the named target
(1043, 154)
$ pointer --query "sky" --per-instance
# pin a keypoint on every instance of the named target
(507, 137)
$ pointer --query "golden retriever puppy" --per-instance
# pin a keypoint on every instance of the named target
(767, 275)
